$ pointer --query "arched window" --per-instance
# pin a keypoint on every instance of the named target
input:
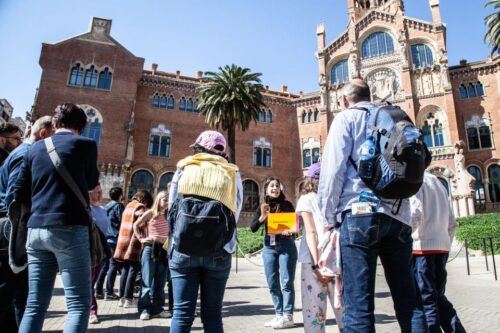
(170, 102)
(156, 101)
(479, 89)
(310, 152)
(159, 141)
(159, 145)
(309, 116)
(262, 156)
(306, 158)
(444, 182)
(104, 79)
(269, 116)
(340, 72)
(304, 115)
(478, 133)
(189, 105)
(262, 116)
(472, 90)
(141, 180)
(479, 197)
(195, 106)
(163, 102)
(494, 182)
(432, 131)
(376, 45)
(92, 129)
(182, 104)
(257, 156)
(76, 76)
(316, 115)
(422, 55)
(90, 79)
(463, 92)
(165, 179)
(250, 196)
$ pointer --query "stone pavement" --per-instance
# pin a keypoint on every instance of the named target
(248, 303)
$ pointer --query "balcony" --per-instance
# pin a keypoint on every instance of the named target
(442, 153)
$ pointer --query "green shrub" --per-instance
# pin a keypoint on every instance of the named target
(249, 242)
(475, 228)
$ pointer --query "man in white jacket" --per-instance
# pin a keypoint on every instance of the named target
(433, 231)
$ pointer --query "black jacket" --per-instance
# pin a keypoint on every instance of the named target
(285, 207)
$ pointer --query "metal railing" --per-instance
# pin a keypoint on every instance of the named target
(485, 242)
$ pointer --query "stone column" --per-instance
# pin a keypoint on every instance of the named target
(486, 183)
(454, 203)
(470, 204)
(462, 207)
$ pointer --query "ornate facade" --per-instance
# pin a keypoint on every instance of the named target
(145, 119)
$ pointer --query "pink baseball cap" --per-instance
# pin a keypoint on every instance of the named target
(212, 141)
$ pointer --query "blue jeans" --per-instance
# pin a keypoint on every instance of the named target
(65, 248)
(130, 270)
(430, 274)
(280, 261)
(154, 276)
(362, 239)
(190, 273)
(108, 272)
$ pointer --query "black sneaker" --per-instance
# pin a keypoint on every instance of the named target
(111, 297)
(99, 295)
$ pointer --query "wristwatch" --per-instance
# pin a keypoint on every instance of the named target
(314, 267)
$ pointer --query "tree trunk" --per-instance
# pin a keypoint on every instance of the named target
(231, 140)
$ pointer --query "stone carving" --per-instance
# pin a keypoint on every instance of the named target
(335, 100)
(402, 48)
(427, 84)
(131, 123)
(464, 180)
(353, 65)
(384, 84)
(129, 156)
(323, 90)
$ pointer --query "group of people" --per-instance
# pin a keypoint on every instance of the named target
(187, 236)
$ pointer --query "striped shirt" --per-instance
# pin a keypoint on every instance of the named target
(158, 227)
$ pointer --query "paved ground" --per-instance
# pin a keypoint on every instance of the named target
(248, 304)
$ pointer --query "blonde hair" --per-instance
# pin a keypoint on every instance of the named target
(156, 204)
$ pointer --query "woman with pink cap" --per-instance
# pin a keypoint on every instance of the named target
(204, 179)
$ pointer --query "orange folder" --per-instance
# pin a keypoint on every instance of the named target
(279, 222)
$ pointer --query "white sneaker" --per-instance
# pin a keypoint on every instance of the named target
(130, 303)
(284, 322)
(93, 319)
(163, 314)
(145, 315)
(121, 302)
(272, 322)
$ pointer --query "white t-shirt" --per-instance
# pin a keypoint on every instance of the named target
(309, 203)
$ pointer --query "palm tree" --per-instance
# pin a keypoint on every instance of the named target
(492, 21)
(231, 98)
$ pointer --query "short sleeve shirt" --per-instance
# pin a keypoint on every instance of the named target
(309, 203)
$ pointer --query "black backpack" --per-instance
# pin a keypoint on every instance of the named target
(199, 226)
(396, 170)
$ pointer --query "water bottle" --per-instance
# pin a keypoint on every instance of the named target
(367, 161)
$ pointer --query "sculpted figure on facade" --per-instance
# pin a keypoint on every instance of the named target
(323, 90)
(403, 49)
(353, 65)
(383, 84)
(464, 180)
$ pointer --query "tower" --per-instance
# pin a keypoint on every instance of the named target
(359, 8)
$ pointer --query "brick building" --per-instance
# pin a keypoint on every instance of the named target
(145, 119)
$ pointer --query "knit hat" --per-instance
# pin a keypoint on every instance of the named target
(314, 171)
(210, 140)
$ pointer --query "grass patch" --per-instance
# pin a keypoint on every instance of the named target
(475, 228)
(248, 241)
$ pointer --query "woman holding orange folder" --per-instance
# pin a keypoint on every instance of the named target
(279, 255)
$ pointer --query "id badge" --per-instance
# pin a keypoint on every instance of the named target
(272, 240)
(360, 208)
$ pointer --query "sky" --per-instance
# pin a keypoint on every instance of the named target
(274, 37)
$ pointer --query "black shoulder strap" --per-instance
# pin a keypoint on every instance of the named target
(61, 169)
